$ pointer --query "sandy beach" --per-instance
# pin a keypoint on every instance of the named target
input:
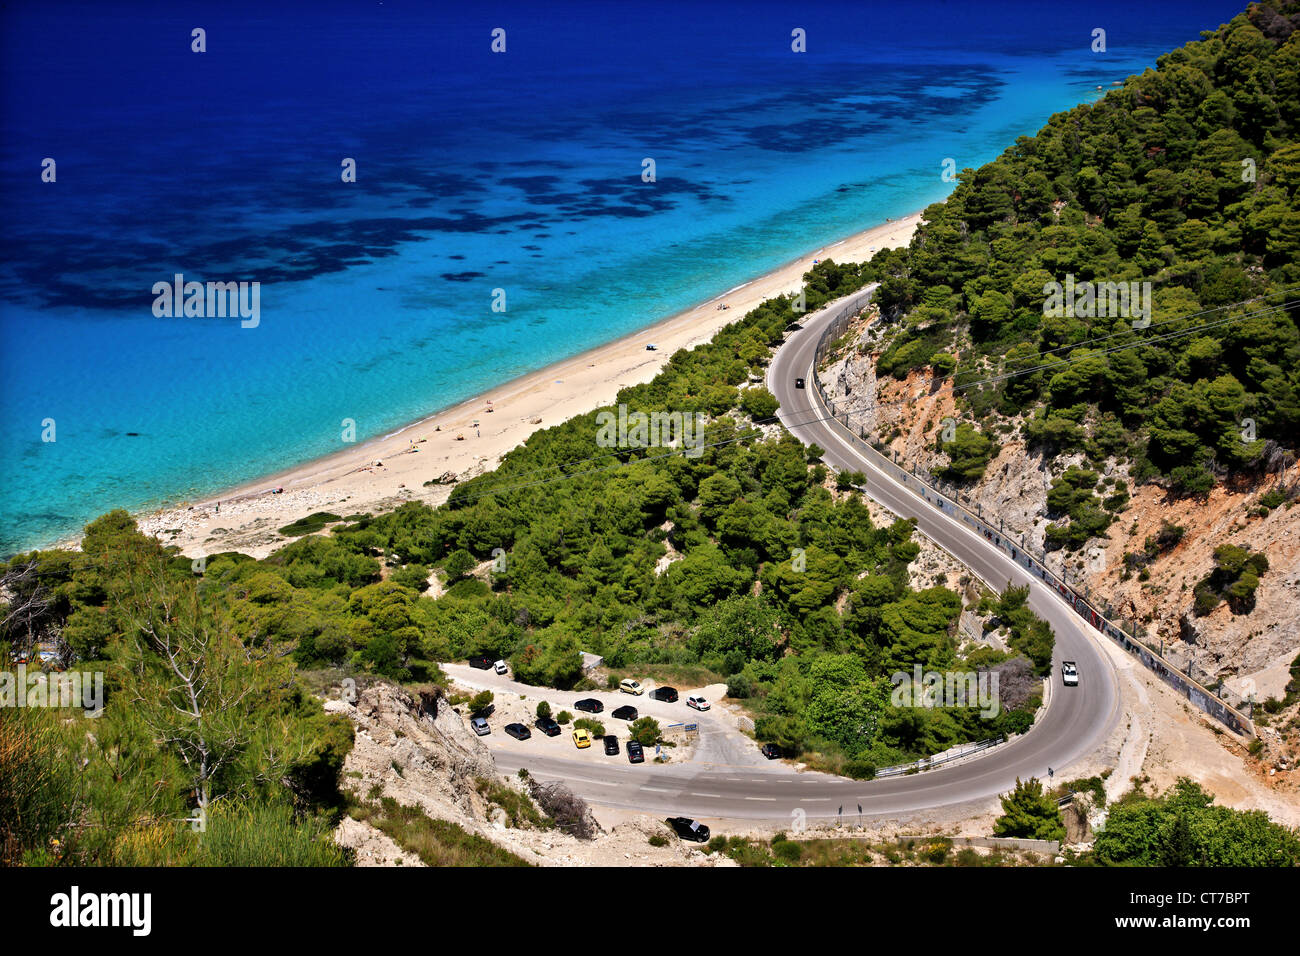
(470, 438)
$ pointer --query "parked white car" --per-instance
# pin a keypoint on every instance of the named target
(501, 668)
(698, 702)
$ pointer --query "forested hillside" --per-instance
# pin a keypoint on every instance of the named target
(747, 564)
(1185, 178)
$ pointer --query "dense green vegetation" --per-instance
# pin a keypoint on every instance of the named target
(779, 585)
(1184, 828)
(207, 751)
(1072, 496)
(745, 562)
(1186, 178)
(1029, 813)
(1234, 578)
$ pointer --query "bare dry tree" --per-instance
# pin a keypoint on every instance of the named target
(27, 606)
(193, 680)
(569, 811)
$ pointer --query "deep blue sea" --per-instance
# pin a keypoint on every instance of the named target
(476, 171)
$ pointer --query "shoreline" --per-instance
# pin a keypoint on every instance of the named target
(468, 438)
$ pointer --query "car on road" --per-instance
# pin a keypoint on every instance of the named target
(635, 754)
(482, 661)
(548, 726)
(1069, 673)
(589, 705)
(480, 726)
(698, 702)
(689, 829)
(581, 738)
(771, 751)
(611, 745)
(798, 383)
(667, 694)
(624, 713)
(518, 731)
(629, 686)
(500, 667)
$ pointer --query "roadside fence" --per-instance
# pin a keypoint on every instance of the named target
(1095, 612)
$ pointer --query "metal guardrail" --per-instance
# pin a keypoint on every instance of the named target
(925, 763)
(1197, 694)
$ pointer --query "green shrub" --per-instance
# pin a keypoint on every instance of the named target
(645, 731)
(309, 525)
(787, 851)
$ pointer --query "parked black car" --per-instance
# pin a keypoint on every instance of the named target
(518, 731)
(548, 726)
(611, 745)
(485, 711)
(634, 752)
(624, 713)
(483, 662)
(667, 694)
(688, 829)
(771, 751)
(589, 705)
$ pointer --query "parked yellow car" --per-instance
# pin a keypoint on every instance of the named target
(581, 738)
(630, 686)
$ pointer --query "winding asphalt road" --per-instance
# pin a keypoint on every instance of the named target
(728, 779)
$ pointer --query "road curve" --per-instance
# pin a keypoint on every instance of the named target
(725, 780)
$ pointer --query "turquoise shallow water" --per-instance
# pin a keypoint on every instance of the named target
(519, 173)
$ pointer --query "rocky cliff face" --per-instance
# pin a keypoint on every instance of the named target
(1250, 652)
(429, 762)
